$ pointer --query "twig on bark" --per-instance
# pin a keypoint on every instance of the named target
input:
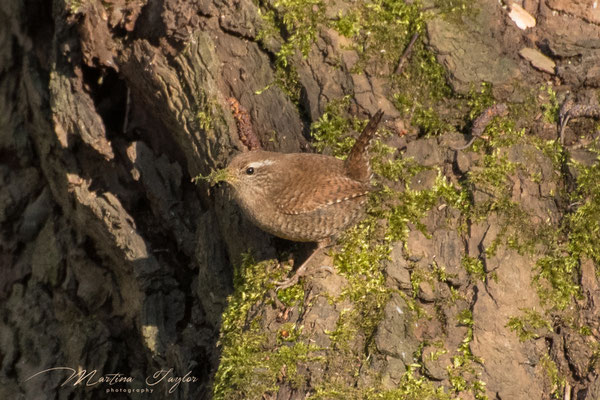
(571, 110)
(244, 126)
(406, 53)
(483, 121)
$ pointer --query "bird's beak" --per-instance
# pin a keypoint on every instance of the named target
(218, 176)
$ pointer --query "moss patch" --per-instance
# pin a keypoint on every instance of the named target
(381, 30)
(464, 372)
(531, 325)
(251, 365)
(294, 25)
(214, 177)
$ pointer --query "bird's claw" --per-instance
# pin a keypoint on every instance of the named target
(286, 283)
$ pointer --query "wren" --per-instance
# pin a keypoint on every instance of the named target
(303, 197)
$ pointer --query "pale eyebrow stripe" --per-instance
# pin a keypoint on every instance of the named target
(257, 164)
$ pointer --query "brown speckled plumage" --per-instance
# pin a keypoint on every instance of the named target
(300, 196)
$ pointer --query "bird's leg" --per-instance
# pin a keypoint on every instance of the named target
(301, 271)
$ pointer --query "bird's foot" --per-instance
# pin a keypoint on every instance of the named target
(294, 279)
(288, 282)
(301, 271)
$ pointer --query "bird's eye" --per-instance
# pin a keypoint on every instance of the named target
(249, 171)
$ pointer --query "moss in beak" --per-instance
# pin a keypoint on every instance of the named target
(215, 177)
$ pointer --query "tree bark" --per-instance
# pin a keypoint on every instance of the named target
(115, 263)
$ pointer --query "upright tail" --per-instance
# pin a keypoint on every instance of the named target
(357, 164)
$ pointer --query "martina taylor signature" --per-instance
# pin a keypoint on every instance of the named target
(83, 377)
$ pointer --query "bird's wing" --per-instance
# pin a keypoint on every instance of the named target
(308, 192)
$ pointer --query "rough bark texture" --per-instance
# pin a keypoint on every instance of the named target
(112, 260)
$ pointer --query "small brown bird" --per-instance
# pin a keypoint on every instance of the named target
(303, 197)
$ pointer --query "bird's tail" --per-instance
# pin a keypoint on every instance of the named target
(357, 164)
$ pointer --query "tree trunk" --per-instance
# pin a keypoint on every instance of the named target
(474, 275)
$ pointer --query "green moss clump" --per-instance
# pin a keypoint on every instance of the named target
(557, 382)
(411, 206)
(423, 116)
(530, 326)
(249, 367)
(205, 109)
(331, 130)
(301, 19)
(456, 8)
(493, 176)
(387, 164)
(576, 240)
(550, 108)
(74, 6)
(559, 272)
(478, 100)
(380, 29)
(412, 387)
(214, 177)
(474, 267)
(555, 152)
(349, 24)
(204, 120)
(345, 330)
(463, 372)
(294, 23)
(359, 260)
(584, 222)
